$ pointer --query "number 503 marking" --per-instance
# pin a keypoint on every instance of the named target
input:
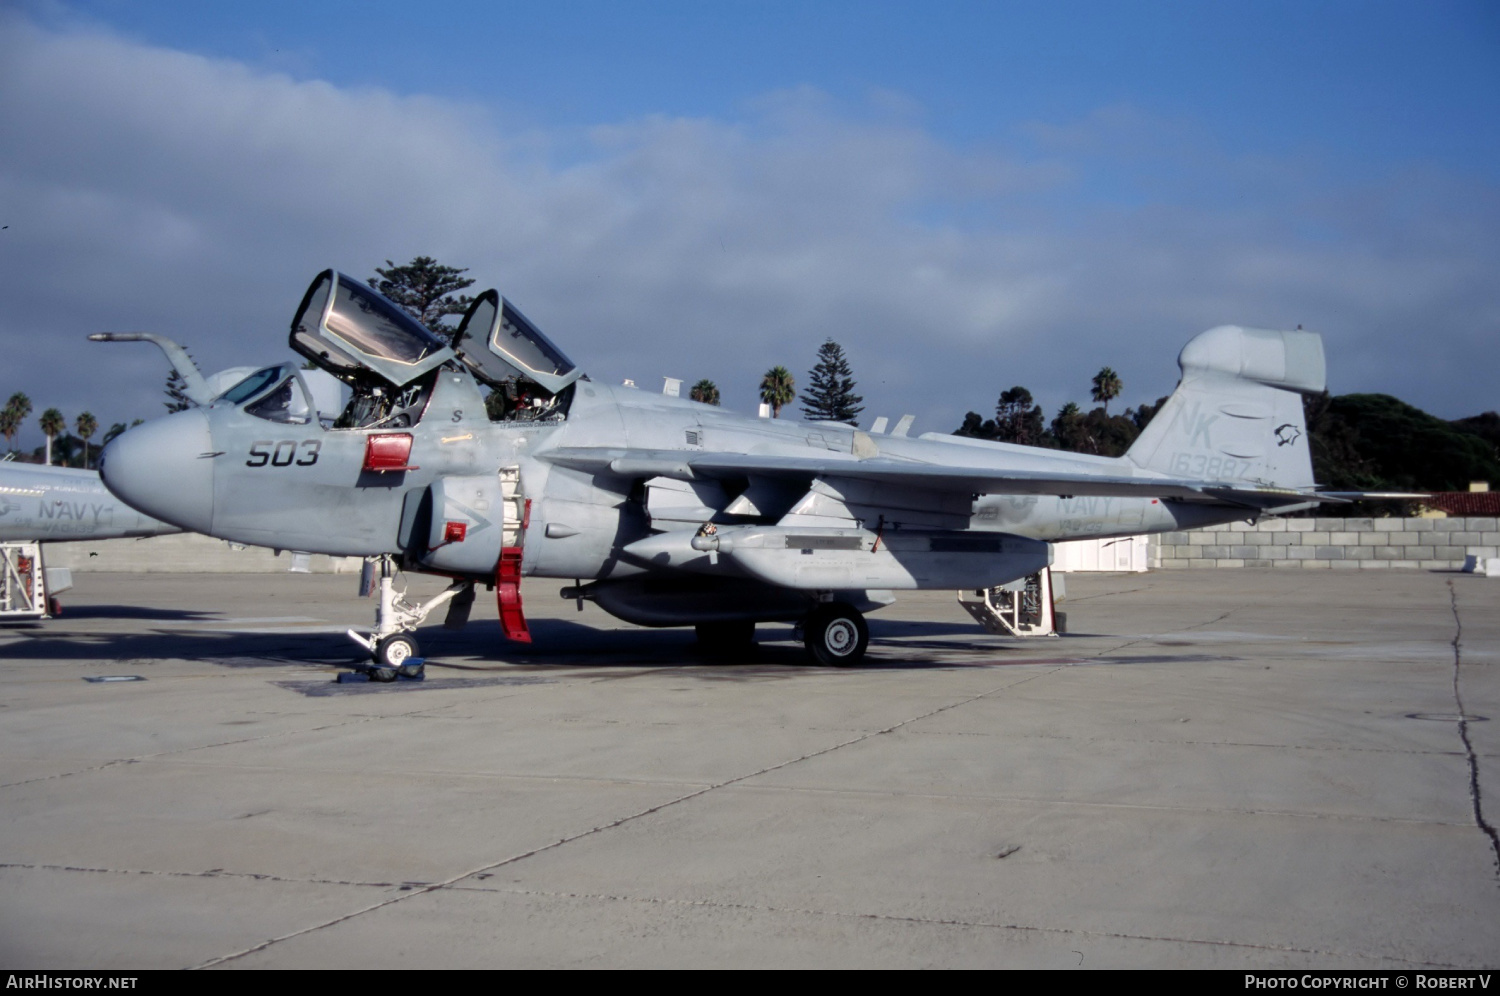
(284, 453)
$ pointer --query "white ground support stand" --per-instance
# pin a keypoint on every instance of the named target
(1022, 608)
(27, 587)
(1484, 566)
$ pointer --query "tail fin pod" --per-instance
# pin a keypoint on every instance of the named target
(1236, 415)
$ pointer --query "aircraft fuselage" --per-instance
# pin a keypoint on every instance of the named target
(222, 472)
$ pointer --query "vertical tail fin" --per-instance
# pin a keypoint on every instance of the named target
(1236, 415)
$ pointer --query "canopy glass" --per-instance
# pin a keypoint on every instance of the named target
(344, 326)
(502, 347)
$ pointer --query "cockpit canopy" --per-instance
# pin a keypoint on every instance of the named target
(344, 326)
(281, 394)
(503, 348)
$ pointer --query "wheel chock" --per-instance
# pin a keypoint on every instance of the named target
(414, 669)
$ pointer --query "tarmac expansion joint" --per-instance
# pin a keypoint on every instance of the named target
(1475, 795)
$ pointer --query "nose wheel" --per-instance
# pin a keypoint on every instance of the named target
(836, 635)
(396, 657)
(394, 651)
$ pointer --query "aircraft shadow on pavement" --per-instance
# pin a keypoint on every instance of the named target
(234, 649)
(892, 629)
(559, 644)
(133, 612)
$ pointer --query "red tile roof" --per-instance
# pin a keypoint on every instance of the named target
(1465, 502)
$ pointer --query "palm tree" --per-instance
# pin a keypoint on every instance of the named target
(52, 423)
(14, 416)
(86, 425)
(1106, 387)
(705, 391)
(777, 388)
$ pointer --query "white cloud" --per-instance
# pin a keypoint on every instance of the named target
(148, 188)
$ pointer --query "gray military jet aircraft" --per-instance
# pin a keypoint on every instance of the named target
(40, 505)
(60, 503)
(678, 513)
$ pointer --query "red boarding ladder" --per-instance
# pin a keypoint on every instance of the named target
(517, 513)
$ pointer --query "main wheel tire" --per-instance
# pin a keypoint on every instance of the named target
(836, 635)
(735, 635)
(393, 651)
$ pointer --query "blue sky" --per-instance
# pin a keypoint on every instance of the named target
(968, 196)
(1361, 79)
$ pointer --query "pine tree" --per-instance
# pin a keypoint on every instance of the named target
(176, 392)
(426, 290)
(830, 396)
(778, 388)
(1018, 419)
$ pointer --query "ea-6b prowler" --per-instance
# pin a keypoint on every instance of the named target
(677, 513)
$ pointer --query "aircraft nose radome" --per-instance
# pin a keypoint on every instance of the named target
(163, 468)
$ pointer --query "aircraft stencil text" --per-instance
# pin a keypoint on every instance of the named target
(283, 453)
(76, 510)
(1191, 419)
(1214, 468)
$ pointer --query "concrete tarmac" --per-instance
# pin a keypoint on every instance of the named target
(1231, 769)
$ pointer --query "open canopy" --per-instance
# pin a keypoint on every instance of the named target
(502, 346)
(344, 326)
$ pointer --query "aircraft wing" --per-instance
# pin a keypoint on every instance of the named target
(687, 466)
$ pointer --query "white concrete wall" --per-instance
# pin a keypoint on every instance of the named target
(1332, 544)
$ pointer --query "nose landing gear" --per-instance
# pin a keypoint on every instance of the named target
(391, 646)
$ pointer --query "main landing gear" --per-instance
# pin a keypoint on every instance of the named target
(391, 645)
(836, 634)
